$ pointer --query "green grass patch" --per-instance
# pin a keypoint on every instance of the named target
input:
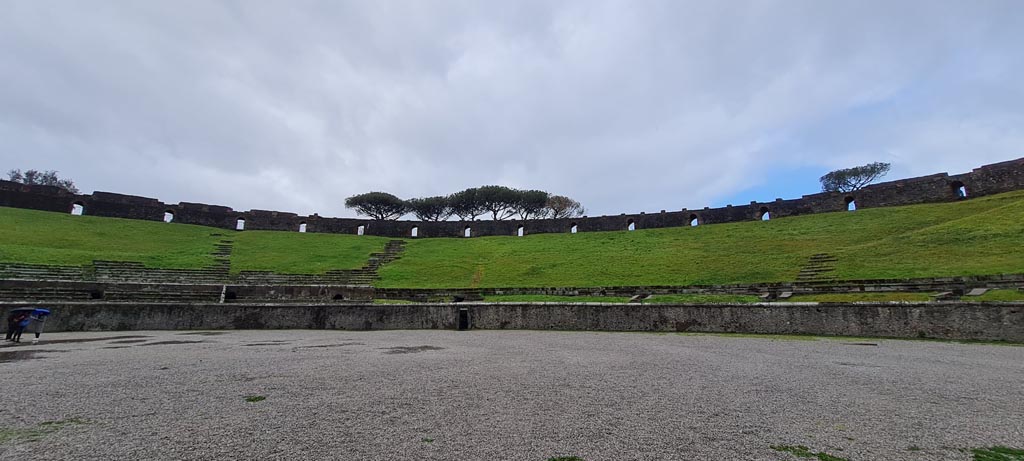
(980, 236)
(31, 434)
(861, 297)
(997, 295)
(255, 398)
(392, 301)
(40, 237)
(301, 252)
(801, 451)
(554, 299)
(998, 453)
(701, 299)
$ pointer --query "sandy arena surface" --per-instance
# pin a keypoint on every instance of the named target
(502, 395)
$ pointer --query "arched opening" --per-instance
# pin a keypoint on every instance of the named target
(765, 214)
(694, 222)
(302, 226)
(573, 228)
(851, 204)
(467, 232)
(631, 225)
(959, 189)
(168, 216)
(520, 231)
(240, 224)
(78, 208)
(415, 232)
(361, 230)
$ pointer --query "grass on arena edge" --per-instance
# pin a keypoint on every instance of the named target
(979, 236)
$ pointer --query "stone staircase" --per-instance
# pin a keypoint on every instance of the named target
(16, 271)
(118, 271)
(222, 254)
(364, 276)
(392, 251)
(819, 268)
(132, 281)
(163, 294)
(332, 277)
(45, 293)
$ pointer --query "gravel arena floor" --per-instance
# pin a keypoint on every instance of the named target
(503, 395)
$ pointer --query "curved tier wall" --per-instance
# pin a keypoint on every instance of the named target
(942, 187)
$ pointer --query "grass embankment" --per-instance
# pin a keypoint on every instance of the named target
(554, 299)
(655, 299)
(998, 295)
(974, 237)
(301, 253)
(861, 297)
(39, 237)
(979, 236)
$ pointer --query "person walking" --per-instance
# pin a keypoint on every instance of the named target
(23, 320)
(12, 324)
(38, 319)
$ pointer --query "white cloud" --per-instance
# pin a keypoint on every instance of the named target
(626, 106)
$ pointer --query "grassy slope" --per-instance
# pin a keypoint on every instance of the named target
(39, 237)
(301, 253)
(862, 297)
(978, 236)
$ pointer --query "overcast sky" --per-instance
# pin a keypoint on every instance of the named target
(638, 105)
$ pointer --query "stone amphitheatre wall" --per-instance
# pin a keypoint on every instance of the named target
(986, 180)
(954, 320)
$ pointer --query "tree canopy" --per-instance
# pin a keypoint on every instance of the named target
(500, 201)
(466, 205)
(438, 208)
(377, 205)
(852, 179)
(42, 178)
(560, 206)
(531, 204)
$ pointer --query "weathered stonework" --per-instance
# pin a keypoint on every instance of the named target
(986, 180)
(954, 320)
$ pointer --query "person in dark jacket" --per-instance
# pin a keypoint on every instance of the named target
(12, 324)
(23, 320)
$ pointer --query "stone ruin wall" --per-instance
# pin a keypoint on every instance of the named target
(986, 180)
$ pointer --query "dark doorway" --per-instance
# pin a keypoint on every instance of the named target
(463, 319)
(959, 189)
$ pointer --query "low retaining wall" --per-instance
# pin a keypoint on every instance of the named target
(950, 320)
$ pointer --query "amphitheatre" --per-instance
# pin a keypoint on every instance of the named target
(884, 323)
